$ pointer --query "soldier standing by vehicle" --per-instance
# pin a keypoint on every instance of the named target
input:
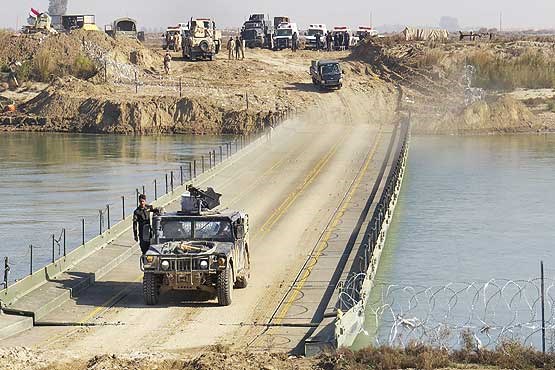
(347, 40)
(237, 47)
(167, 60)
(141, 223)
(294, 40)
(318, 37)
(329, 41)
(230, 48)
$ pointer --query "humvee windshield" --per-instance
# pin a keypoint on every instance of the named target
(211, 230)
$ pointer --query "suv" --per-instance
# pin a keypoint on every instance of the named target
(202, 40)
(197, 249)
(326, 73)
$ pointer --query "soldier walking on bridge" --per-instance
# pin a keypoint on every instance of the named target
(141, 223)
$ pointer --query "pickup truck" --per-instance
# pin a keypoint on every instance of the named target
(326, 74)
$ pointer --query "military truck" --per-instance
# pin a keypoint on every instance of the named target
(283, 38)
(326, 74)
(257, 31)
(197, 249)
(201, 40)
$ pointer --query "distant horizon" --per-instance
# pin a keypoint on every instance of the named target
(516, 16)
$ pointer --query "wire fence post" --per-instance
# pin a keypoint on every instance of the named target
(155, 189)
(166, 184)
(137, 196)
(83, 231)
(181, 174)
(122, 207)
(31, 259)
(210, 160)
(180, 87)
(543, 305)
(221, 154)
(53, 247)
(194, 168)
(108, 215)
(236, 145)
(6, 271)
(99, 222)
(136, 83)
(202, 158)
(144, 190)
(64, 231)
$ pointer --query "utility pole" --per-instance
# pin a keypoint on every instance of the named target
(500, 21)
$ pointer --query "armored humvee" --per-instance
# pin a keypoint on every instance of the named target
(198, 249)
(201, 40)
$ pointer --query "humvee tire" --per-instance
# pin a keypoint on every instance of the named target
(243, 281)
(151, 288)
(224, 286)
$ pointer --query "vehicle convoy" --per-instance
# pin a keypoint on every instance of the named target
(197, 249)
(202, 40)
(326, 74)
(341, 33)
(310, 36)
(283, 38)
(257, 32)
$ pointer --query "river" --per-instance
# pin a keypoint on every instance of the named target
(52, 181)
(471, 209)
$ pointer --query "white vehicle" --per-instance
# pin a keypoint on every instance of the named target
(284, 35)
(310, 36)
(171, 42)
(365, 31)
(340, 36)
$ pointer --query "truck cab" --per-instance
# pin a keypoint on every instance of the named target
(310, 36)
(257, 31)
(283, 38)
(326, 74)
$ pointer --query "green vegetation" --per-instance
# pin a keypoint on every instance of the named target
(83, 67)
(531, 69)
(508, 355)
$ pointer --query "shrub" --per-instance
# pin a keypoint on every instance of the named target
(83, 67)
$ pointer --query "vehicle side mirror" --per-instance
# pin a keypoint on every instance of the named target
(240, 231)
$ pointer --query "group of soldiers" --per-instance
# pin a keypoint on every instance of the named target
(236, 48)
(333, 41)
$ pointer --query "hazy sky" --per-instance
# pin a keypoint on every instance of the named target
(516, 13)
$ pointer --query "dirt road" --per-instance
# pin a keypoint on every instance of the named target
(291, 187)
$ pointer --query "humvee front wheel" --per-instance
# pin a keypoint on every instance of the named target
(151, 288)
(224, 286)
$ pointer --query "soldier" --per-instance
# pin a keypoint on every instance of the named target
(294, 40)
(230, 48)
(347, 40)
(237, 48)
(317, 37)
(329, 41)
(167, 60)
(141, 223)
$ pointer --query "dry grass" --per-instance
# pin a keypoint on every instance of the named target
(430, 58)
(532, 69)
(43, 66)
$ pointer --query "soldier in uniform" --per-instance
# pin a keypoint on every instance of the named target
(141, 223)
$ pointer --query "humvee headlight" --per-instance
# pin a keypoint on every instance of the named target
(149, 259)
(165, 265)
(221, 262)
(204, 265)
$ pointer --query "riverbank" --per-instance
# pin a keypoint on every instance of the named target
(118, 87)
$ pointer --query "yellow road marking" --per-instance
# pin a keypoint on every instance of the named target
(323, 242)
(285, 205)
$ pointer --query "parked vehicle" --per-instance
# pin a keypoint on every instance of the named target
(202, 40)
(284, 35)
(326, 74)
(365, 31)
(169, 42)
(340, 33)
(257, 32)
(310, 36)
(123, 27)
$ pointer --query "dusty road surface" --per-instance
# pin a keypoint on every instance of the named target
(291, 186)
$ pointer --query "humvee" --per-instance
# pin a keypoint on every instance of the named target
(201, 40)
(197, 249)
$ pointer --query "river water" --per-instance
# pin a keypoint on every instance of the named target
(471, 209)
(52, 181)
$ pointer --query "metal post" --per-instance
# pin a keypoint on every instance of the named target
(99, 222)
(64, 230)
(83, 231)
(228, 149)
(136, 83)
(210, 160)
(543, 306)
(190, 171)
(122, 207)
(171, 180)
(53, 248)
(221, 154)
(214, 155)
(144, 191)
(195, 168)
(137, 196)
(181, 174)
(6, 271)
(155, 190)
(108, 215)
(235, 145)
(180, 87)
(105, 70)
(31, 260)
(166, 184)
(202, 158)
